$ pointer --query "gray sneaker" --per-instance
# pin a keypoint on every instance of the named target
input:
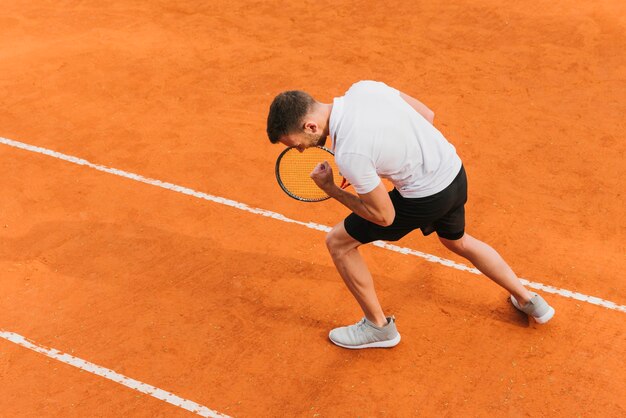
(538, 308)
(365, 334)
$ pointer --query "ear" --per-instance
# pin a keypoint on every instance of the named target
(311, 127)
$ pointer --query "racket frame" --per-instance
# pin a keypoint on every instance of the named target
(344, 183)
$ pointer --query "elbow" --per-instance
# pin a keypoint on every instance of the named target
(387, 219)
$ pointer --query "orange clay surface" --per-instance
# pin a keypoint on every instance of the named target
(231, 309)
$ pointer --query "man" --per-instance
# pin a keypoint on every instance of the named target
(377, 131)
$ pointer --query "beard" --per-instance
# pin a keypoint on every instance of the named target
(319, 140)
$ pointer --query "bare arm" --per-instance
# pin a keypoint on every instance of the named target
(419, 107)
(374, 206)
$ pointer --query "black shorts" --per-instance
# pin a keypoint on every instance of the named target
(443, 212)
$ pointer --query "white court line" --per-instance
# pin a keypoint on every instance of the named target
(242, 206)
(114, 376)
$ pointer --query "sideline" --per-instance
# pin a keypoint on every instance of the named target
(242, 206)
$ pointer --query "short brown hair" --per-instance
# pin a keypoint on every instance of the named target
(286, 113)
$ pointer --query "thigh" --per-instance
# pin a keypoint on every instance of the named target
(451, 226)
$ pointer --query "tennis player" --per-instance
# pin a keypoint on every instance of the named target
(377, 131)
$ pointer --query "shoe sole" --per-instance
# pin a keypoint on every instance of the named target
(541, 319)
(378, 344)
(545, 317)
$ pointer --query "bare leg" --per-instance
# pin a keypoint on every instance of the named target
(490, 263)
(354, 272)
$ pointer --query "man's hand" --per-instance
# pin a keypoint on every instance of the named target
(322, 175)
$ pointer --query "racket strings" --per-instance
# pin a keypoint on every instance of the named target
(294, 169)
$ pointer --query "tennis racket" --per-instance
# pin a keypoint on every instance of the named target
(293, 169)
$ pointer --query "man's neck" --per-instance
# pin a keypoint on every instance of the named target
(323, 111)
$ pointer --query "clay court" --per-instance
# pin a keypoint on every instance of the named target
(148, 254)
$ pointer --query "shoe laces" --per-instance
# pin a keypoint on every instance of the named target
(360, 325)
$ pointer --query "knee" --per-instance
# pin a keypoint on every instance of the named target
(338, 241)
(458, 246)
(333, 241)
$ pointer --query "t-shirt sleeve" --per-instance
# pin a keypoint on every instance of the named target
(360, 171)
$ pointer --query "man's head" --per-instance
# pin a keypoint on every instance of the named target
(294, 119)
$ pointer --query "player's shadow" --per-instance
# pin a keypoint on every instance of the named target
(148, 262)
(429, 286)
(144, 260)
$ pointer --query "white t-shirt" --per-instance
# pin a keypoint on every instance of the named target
(375, 134)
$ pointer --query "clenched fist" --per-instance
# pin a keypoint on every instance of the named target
(322, 175)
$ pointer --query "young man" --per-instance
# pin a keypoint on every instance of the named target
(377, 131)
